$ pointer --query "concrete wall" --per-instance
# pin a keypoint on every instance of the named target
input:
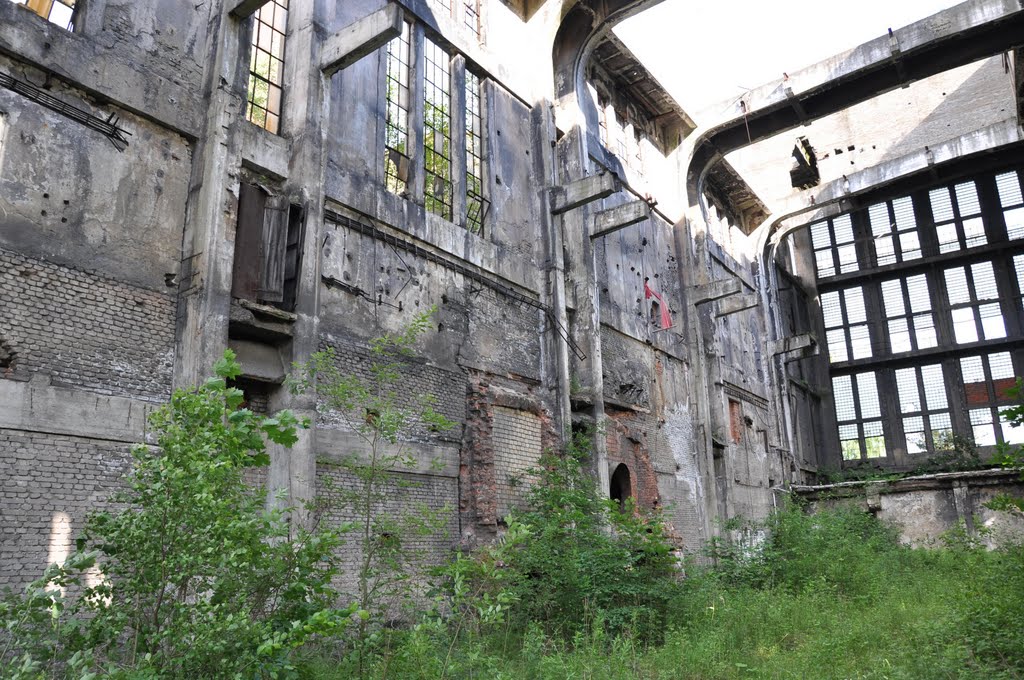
(116, 270)
(930, 509)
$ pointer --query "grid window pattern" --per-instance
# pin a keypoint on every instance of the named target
(974, 303)
(476, 204)
(894, 228)
(957, 214)
(471, 16)
(986, 380)
(445, 6)
(1011, 201)
(396, 130)
(846, 327)
(858, 412)
(437, 132)
(834, 250)
(266, 66)
(908, 315)
(924, 407)
(59, 12)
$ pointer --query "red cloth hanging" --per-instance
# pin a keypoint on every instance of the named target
(666, 318)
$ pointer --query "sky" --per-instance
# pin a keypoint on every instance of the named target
(704, 52)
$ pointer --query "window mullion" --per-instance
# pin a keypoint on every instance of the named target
(417, 170)
(458, 138)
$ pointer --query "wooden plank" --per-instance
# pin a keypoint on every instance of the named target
(248, 242)
(274, 245)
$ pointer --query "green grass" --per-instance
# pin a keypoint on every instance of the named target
(828, 596)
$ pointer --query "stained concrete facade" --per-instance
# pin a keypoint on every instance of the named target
(610, 261)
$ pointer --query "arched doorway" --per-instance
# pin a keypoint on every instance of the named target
(621, 486)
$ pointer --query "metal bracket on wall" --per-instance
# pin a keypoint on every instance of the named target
(108, 128)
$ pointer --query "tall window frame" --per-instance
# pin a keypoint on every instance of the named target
(476, 203)
(397, 111)
(437, 130)
(972, 293)
(846, 325)
(924, 408)
(1011, 200)
(265, 87)
(956, 211)
(986, 379)
(859, 416)
(907, 305)
(895, 231)
(835, 249)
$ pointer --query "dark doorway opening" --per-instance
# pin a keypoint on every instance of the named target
(621, 485)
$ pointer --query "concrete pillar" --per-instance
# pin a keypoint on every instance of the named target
(208, 242)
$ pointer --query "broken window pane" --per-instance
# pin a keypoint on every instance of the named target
(874, 440)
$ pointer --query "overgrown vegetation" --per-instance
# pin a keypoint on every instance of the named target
(187, 575)
(382, 418)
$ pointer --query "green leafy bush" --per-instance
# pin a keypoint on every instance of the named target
(572, 558)
(195, 578)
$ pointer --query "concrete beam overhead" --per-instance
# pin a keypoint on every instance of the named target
(244, 9)
(737, 303)
(619, 217)
(716, 290)
(361, 38)
(583, 191)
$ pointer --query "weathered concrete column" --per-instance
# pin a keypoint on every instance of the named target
(458, 143)
(208, 242)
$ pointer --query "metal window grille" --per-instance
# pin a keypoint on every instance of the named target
(858, 413)
(471, 16)
(973, 297)
(986, 381)
(909, 320)
(894, 228)
(834, 249)
(59, 12)
(266, 66)
(957, 214)
(476, 203)
(1011, 201)
(437, 136)
(396, 127)
(846, 325)
(924, 407)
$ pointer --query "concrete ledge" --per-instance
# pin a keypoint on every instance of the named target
(942, 480)
(37, 407)
(334, 446)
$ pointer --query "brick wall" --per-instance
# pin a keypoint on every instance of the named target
(418, 378)
(405, 493)
(87, 331)
(517, 448)
(48, 483)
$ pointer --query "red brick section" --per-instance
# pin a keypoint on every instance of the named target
(627, 444)
(478, 506)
